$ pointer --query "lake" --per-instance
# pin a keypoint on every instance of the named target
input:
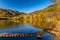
(13, 28)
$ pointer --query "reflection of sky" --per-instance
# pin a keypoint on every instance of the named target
(47, 36)
(27, 29)
(21, 29)
(25, 5)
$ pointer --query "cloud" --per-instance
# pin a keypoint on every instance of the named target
(52, 0)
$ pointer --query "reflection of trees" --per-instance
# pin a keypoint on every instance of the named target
(7, 23)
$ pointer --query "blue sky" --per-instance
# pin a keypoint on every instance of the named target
(25, 5)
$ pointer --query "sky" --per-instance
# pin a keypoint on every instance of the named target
(26, 6)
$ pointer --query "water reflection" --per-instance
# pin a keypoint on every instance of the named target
(7, 24)
(17, 27)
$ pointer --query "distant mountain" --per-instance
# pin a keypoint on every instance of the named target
(5, 13)
(47, 12)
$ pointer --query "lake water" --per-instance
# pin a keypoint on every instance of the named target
(22, 29)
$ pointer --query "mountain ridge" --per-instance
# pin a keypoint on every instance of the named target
(11, 13)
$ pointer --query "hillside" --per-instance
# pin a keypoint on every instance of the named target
(42, 18)
(7, 13)
(47, 17)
